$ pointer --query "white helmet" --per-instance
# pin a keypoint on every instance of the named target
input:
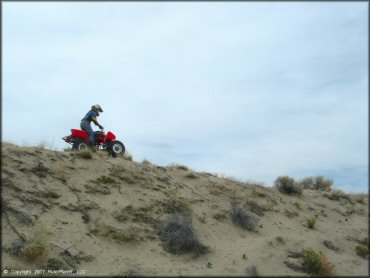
(97, 108)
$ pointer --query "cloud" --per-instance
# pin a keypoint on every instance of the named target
(253, 90)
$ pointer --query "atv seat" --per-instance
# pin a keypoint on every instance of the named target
(80, 134)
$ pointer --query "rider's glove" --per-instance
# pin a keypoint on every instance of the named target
(101, 127)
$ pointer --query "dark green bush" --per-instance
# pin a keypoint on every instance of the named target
(362, 251)
(316, 263)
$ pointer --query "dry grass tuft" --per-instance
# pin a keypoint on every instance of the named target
(128, 156)
(117, 170)
(102, 154)
(255, 207)
(146, 162)
(103, 189)
(50, 194)
(85, 154)
(39, 243)
(297, 205)
(129, 233)
(191, 175)
(137, 215)
(290, 213)
(105, 180)
(311, 222)
(41, 145)
(172, 206)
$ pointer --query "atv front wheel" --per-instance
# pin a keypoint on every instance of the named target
(80, 145)
(116, 148)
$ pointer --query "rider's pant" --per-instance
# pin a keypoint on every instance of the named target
(85, 126)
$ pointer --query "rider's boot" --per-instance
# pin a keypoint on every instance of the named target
(92, 146)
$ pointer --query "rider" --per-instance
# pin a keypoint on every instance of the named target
(86, 121)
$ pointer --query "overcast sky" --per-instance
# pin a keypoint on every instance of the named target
(248, 90)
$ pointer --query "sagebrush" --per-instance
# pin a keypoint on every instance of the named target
(288, 185)
(241, 216)
(179, 237)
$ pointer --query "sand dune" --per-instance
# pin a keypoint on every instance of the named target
(104, 216)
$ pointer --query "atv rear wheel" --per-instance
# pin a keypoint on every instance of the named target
(116, 148)
(80, 145)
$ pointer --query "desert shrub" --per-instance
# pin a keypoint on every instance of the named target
(117, 170)
(219, 216)
(126, 235)
(359, 198)
(38, 244)
(129, 233)
(288, 185)
(41, 145)
(105, 180)
(297, 205)
(241, 216)
(97, 188)
(179, 237)
(316, 263)
(362, 251)
(311, 222)
(54, 264)
(252, 271)
(50, 194)
(364, 241)
(85, 154)
(15, 248)
(337, 195)
(182, 167)
(316, 183)
(254, 207)
(127, 156)
(146, 162)
(138, 215)
(127, 179)
(290, 213)
(191, 175)
(307, 183)
(323, 184)
(173, 206)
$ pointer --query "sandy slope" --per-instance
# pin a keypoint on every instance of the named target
(56, 194)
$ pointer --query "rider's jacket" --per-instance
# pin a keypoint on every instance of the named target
(90, 116)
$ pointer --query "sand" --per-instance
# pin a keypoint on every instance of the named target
(94, 226)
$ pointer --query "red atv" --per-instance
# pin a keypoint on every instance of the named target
(79, 140)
